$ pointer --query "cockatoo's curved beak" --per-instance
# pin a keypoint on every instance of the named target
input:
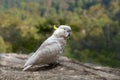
(55, 27)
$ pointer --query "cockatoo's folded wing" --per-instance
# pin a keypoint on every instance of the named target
(45, 54)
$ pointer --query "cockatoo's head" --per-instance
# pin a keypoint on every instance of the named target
(62, 31)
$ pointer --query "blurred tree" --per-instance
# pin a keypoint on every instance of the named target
(25, 24)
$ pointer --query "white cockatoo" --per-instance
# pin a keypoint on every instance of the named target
(51, 49)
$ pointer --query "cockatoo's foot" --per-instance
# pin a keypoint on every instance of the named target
(55, 64)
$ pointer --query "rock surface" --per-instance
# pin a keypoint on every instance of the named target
(11, 66)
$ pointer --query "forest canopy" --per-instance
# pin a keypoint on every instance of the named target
(25, 24)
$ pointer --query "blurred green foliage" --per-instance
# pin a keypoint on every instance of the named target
(25, 24)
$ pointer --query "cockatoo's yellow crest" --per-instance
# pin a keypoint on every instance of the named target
(55, 27)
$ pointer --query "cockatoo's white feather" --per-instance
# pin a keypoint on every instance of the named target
(51, 48)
